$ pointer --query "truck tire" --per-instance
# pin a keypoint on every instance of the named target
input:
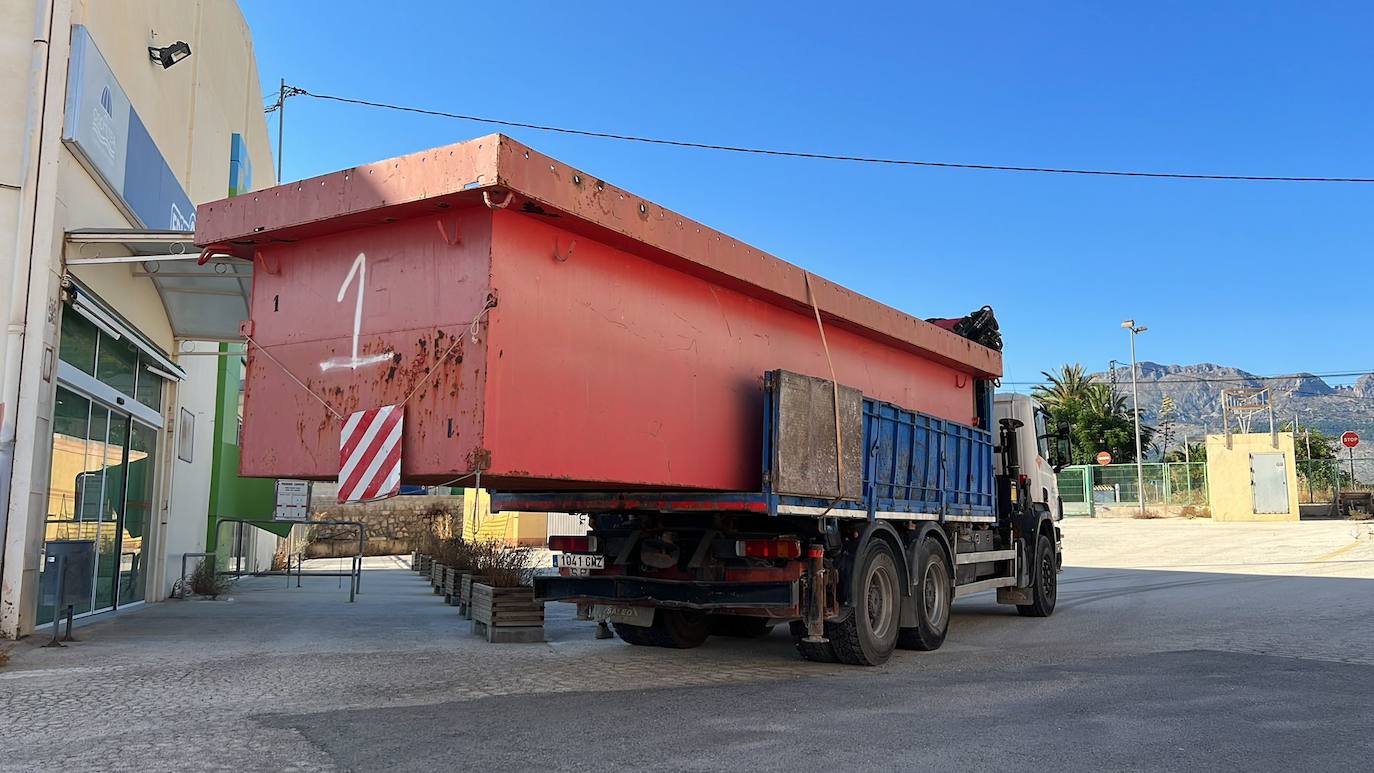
(816, 653)
(933, 596)
(867, 636)
(679, 629)
(638, 635)
(1044, 581)
(740, 626)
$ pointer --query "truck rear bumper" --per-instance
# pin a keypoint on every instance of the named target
(667, 593)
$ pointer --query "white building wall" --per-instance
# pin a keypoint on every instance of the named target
(184, 520)
(190, 111)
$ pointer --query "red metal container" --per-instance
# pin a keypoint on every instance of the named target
(624, 346)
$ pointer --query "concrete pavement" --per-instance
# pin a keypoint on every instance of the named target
(1176, 645)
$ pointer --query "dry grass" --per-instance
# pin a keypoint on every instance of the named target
(1192, 511)
(4, 657)
(205, 581)
(501, 567)
(1147, 514)
(455, 553)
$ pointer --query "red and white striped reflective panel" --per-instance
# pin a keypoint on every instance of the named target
(370, 455)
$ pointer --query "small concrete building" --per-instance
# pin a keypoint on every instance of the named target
(1252, 477)
(116, 118)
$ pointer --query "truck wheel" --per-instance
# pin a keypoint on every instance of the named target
(740, 626)
(638, 635)
(680, 629)
(1044, 581)
(934, 595)
(816, 653)
(869, 634)
(673, 628)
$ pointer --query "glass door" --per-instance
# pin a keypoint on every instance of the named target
(138, 513)
(100, 488)
(73, 476)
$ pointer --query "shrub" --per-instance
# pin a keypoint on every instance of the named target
(501, 567)
(455, 553)
(205, 581)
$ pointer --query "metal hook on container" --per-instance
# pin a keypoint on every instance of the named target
(960, 380)
(210, 251)
(457, 237)
(486, 199)
(563, 258)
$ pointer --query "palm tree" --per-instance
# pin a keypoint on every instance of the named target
(1070, 384)
(1102, 400)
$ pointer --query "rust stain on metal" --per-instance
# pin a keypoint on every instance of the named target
(397, 188)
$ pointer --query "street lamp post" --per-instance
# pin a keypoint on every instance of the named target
(1135, 330)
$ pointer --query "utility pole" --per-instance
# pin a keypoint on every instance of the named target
(1188, 465)
(1133, 330)
(281, 124)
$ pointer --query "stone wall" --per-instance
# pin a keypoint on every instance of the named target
(394, 526)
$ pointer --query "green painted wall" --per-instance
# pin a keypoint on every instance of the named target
(232, 496)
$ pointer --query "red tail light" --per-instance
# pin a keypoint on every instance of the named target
(768, 548)
(565, 544)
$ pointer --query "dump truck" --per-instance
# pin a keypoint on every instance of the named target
(754, 445)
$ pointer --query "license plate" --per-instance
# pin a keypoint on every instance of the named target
(640, 616)
(579, 561)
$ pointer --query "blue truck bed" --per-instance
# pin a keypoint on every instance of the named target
(915, 466)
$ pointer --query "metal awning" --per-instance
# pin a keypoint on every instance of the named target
(203, 302)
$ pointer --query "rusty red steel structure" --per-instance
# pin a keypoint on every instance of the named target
(541, 325)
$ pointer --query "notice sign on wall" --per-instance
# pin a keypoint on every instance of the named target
(293, 501)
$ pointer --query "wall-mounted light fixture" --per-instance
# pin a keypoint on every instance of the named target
(169, 55)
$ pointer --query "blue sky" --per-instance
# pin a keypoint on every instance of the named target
(1269, 277)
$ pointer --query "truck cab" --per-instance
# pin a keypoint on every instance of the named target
(1039, 449)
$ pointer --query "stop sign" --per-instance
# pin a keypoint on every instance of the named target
(1350, 439)
(1104, 458)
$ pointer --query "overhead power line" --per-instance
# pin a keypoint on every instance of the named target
(296, 91)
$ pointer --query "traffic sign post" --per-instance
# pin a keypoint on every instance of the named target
(1350, 440)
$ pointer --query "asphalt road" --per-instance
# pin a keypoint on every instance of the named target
(1187, 710)
(1176, 646)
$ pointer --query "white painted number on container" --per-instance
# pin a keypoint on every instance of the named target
(359, 270)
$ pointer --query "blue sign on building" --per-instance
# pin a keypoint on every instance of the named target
(104, 130)
(240, 166)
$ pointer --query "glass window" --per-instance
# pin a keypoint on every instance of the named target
(1042, 433)
(90, 484)
(117, 363)
(71, 419)
(78, 343)
(149, 389)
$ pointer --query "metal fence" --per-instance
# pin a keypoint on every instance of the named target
(1320, 481)
(1084, 488)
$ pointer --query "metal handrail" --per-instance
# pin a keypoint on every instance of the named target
(355, 586)
(182, 579)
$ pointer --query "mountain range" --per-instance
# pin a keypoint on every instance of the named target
(1196, 391)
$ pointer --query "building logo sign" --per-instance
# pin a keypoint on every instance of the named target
(106, 133)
